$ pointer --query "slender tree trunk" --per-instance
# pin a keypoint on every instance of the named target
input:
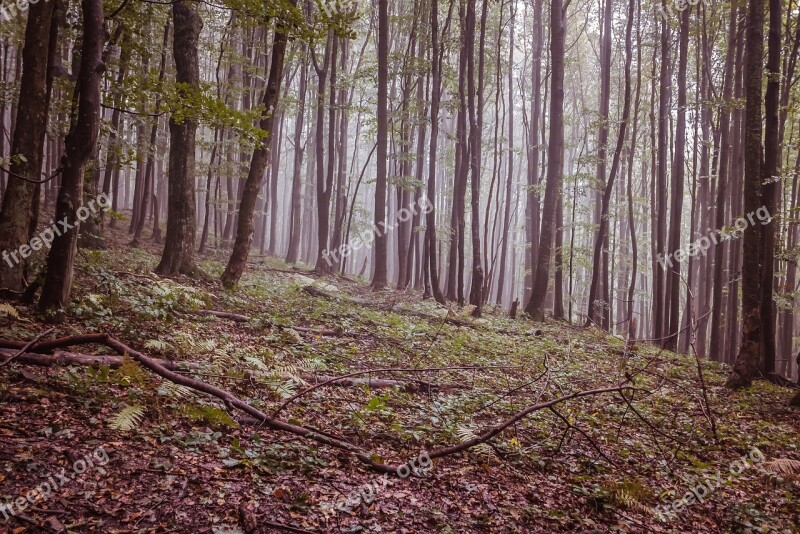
(244, 230)
(79, 147)
(178, 255)
(596, 310)
(555, 161)
(476, 294)
(436, 94)
(678, 177)
(510, 161)
(296, 207)
(27, 143)
(770, 189)
(379, 275)
(748, 361)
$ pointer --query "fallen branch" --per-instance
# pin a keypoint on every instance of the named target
(62, 358)
(364, 456)
(222, 315)
(26, 347)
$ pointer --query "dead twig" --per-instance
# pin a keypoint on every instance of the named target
(26, 347)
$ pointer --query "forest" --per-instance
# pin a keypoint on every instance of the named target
(399, 266)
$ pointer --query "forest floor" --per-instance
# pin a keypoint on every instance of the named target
(126, 451)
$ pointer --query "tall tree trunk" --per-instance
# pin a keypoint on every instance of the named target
(244, 230)
(379, 274)
(79, 147)
(295, 206)
(476, 294)
(27, 144)
(678, 176)
(430, 220)
(596, 310)
(510, 161)
(716, 345)
(748, 361)
(771, 191)
(178, 255)
(664, 112)
(555, 161)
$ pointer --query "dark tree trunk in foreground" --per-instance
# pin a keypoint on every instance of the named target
(555, 162)
(598, 301)
(716, 344)
(28, 141)
(660, 230)
(255, 176)
(436, 98)
(771, 177)
(79, 146)
(678, 176)
(178, 256)
(748, 362)
(476, 292)
(507, 233)
(532, 209)
(596, 312)
(379, 274)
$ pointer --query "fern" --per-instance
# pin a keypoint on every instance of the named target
(157, 344)
(783, 466)
(209, 415)
(176, 391)
(130, 373)
(127, 419)
(9, 311)
(466, 433)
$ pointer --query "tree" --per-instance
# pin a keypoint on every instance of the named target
(678, 176)
(79, 146)
(379, 274)
(555, 162)
(597, 311)
(437, 51)
(178, 255)
(258, 163)
(748, 361)
(476, 293)
(28, 141)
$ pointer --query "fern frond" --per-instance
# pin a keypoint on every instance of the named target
(783, 466)
(466, 433)
(127, 419)
(157, 344)
(9, 310)
(210, 415)
(130, 372)
(256, 363)
(176, 391)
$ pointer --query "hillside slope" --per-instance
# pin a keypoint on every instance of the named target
(157, 457)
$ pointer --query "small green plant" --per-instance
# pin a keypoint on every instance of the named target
(127, 419)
